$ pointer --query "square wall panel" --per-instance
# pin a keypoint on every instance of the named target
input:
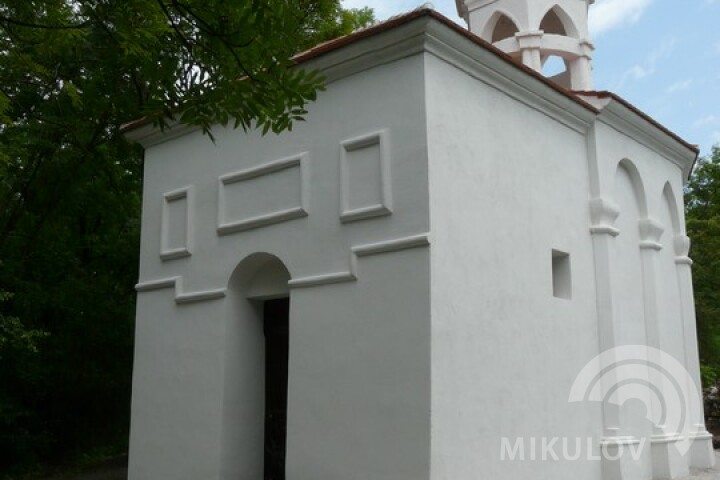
(176, 224)
(365, 186)
(270, 193)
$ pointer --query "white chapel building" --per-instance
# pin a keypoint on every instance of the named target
(412, 280)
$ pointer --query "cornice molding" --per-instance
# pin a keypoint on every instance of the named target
(629, 123)
(513, 80)
(425, 34)
(389, 46)
(149, 135)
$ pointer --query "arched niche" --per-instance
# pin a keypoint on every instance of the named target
(628, 287)
(670, 315)
(499, 27)
(557, 22)
(627, 270)
(259, 280)
(671, 203)
(627, 167)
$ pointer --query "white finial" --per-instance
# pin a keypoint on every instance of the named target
(533, 31)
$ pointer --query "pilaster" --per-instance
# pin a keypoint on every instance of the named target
(701, 448)
(618, 463)
(667, 460)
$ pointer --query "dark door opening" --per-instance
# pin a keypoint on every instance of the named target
(276, 328)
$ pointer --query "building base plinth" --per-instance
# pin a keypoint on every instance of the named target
(668, 463)
(619, 462)
(702, 454)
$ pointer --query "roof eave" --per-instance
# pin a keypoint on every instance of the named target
(628, 119)
(326, 57)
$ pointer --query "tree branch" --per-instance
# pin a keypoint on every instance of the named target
(19, 23)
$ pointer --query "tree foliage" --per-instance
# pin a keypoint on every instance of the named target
(329, 21)
(703, 226)
(71, 72)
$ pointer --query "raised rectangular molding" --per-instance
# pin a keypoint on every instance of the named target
(325, 279)
(365, 250)
(383, 205)
(371, 211)
(202, 296)
(262, 221)
(359, 251)
(166, 251)
(152, 285)
(227, 227)
(180, 296)
(395, 245)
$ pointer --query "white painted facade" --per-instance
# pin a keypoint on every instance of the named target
(457, 237)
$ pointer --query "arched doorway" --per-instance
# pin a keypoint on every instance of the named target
(256, 355)
(276, 315)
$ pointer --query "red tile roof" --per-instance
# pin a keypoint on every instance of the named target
(399, 20)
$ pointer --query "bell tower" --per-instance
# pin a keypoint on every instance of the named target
(534, 31)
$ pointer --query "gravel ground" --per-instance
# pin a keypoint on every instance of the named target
(713, 474)
(117, 470)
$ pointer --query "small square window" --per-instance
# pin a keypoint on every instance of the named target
(561, 275)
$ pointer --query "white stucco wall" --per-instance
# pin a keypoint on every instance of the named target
(416, 214)
(359, 349)
(508, 185)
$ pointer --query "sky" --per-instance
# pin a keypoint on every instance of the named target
(661, 55)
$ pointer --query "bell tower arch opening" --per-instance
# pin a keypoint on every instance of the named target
(556, 69)
(557, 22)
(501, 27)
(552, 24)
(533, 31)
